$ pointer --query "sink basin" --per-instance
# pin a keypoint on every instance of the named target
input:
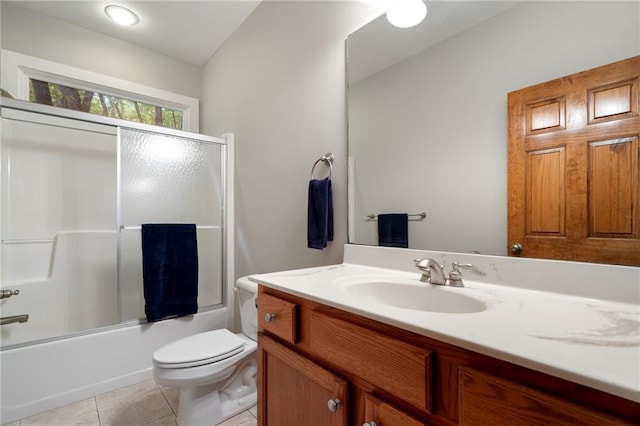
(421, 297)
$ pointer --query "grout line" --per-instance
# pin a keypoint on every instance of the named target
(166, 400)
(95, 400)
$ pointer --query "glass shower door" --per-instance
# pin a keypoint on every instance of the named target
(58, 226)
(169, 179)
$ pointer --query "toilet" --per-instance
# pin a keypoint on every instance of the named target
(215, 371)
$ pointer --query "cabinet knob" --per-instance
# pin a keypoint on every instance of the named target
(333, 405)
(370, 424)
(269, 317)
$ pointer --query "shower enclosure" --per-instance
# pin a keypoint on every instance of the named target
(75, 190)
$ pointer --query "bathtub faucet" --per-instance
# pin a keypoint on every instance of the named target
(14, 318)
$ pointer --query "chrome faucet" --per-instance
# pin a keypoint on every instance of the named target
(5, 294)
(433, 272)
(13, 319)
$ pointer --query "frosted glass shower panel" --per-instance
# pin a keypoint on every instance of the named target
(168, 179)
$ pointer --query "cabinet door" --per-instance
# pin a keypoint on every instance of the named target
(295, 391)
(382, 414)
(489, 400)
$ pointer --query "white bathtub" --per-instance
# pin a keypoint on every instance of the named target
(45, 376)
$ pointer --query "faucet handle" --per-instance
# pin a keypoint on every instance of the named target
(455, 276)
(456, 265)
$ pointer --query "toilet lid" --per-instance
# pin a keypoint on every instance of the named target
(199, 349)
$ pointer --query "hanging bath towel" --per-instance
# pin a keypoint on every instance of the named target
(393, 230)
(319, 213)
(169, 270)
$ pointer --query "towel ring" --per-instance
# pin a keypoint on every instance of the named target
(328, 160)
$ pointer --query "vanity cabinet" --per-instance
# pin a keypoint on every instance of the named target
(310, 356)
(489, 400)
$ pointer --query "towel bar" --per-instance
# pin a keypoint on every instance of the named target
(420, 216)
(137, 228)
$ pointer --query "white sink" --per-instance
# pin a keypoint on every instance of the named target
(418, 296)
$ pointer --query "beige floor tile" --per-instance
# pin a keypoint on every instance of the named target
(128, 393)
(79, 413)
(16, 423)
(172, 396)
(165, 421)
(138, 404)
(240, 419)
(254, 411)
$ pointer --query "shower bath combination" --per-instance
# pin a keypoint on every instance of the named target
(76, 189)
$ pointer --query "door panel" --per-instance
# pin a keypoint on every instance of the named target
(296, 391)
(573, 166)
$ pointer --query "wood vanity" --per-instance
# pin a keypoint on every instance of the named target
(318, 365)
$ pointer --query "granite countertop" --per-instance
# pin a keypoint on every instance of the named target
(585, 340)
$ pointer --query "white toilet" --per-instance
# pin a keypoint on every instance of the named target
(214, 371)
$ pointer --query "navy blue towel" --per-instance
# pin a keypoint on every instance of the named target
(320, 214)
(169, 270)
(393, 230)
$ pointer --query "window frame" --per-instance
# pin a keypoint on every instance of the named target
(17, 69)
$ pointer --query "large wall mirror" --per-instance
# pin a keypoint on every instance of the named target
(427, 108)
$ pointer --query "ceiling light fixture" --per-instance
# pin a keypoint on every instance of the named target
(121, 15)
(406, 13)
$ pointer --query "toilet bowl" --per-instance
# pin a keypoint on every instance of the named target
(214, 371)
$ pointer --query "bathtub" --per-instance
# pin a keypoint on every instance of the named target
(44, 376)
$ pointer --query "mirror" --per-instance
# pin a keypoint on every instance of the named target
(427, 109)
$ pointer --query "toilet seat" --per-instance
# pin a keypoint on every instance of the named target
(199, 349)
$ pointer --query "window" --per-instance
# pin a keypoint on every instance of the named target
(38, 80)
(94, 102)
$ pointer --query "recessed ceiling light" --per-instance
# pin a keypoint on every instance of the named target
(406, 13)
(121, 15)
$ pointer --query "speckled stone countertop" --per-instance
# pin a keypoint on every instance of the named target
(572, 330)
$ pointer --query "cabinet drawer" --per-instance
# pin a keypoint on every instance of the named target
(383, 414)
(489, 400)
(397, 367)
(278, 317)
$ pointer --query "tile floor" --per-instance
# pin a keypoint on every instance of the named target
(141, 404)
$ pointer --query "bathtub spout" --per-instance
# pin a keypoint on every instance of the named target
(14, 318)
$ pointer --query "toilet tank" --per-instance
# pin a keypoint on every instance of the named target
(246, 292)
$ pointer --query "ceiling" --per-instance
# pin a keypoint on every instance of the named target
(379, 45)
(190, 31)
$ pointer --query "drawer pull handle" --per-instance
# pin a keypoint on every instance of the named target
(370, 424)
(333, 405)
(269, 317)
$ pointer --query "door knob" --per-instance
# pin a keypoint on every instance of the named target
(370, 424)
(269, 317)
(516, 249)
(333, 405)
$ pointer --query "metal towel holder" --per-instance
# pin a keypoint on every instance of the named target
(326, 159)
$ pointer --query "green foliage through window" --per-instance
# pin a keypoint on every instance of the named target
(57, 95)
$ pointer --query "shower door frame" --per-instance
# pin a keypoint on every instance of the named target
(226, 143)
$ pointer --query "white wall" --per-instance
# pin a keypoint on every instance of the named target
(279, 84)
(38, 35)
(430, 133)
